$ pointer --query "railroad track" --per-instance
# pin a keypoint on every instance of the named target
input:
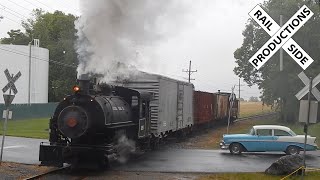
(256, 116)
(42, 175)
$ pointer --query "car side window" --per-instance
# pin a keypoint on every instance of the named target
(264, 132)
(278, 132)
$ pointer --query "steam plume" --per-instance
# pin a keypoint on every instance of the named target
(113, 33)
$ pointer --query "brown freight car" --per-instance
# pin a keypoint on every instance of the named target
(209, 108)
(223, 106)
(204, 106)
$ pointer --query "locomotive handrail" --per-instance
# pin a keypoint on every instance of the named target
(78, 145)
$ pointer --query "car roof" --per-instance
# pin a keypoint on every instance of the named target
(272, 127)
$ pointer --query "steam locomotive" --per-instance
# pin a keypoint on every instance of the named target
(88, 126)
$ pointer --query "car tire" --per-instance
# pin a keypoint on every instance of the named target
(235, 148)
(292, 150)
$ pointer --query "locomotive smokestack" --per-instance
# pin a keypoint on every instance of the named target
(84, 83)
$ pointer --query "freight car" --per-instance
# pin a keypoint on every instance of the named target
(204, 108)
(211, 108)
(171, 106)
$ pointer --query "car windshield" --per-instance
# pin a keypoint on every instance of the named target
(251, 131)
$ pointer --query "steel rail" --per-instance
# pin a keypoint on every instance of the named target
(255, 116)
(46, 173)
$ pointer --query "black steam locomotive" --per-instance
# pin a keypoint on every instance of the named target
(87, 126)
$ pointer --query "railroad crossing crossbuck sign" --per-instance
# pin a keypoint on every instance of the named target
(305, 90)
(11, 81)
(281, 37)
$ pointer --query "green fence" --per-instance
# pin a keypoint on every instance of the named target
(33, 111)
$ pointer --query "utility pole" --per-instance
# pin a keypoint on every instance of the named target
(281, 50)
(305, 128)
(189, 71)
(239, 88)
(239, 95)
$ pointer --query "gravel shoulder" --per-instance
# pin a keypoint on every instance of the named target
(10, 170)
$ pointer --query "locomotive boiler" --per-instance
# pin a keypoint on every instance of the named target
(86, 126)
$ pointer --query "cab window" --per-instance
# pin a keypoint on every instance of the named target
(278, 132)
(264, 132)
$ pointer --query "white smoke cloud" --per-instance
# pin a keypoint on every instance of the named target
(116, 32)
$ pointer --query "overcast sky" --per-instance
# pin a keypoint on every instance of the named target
(209, 39)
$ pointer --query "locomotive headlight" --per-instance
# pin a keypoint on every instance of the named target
(76, 88)
(72, 122)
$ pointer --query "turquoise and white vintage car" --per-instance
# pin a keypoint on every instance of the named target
(263, 138)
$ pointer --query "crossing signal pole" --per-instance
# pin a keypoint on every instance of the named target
(189, 71)
(239, 95)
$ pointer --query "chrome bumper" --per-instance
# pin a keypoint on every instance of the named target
(223, 145)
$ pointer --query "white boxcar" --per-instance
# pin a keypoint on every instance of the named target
(172, 105)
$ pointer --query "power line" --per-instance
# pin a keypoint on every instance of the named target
(5, 17)
(11, 13)
(32, 4)
(5, 7)
(52, 61)
(45, 5)
(20, 5)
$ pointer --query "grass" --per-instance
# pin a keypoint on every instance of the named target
(33, 128)
(260, 176)
(253, 108)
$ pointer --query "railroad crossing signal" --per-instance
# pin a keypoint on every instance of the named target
(232, 97)
(305, 90)
(281, 37)
(8, 98)
(11, 81)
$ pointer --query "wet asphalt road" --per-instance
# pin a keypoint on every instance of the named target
(209, 161)
(26, 150)
(21, 150)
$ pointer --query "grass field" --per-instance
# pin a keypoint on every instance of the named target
(33, 128)
(253, 108)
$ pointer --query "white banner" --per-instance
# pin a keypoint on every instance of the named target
(281, 37)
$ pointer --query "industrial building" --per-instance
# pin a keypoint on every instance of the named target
(32, 86)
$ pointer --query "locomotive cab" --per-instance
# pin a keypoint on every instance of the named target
(86, 125)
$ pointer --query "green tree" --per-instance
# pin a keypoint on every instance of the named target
(56, 32)
(16, 37)
(276, 85)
